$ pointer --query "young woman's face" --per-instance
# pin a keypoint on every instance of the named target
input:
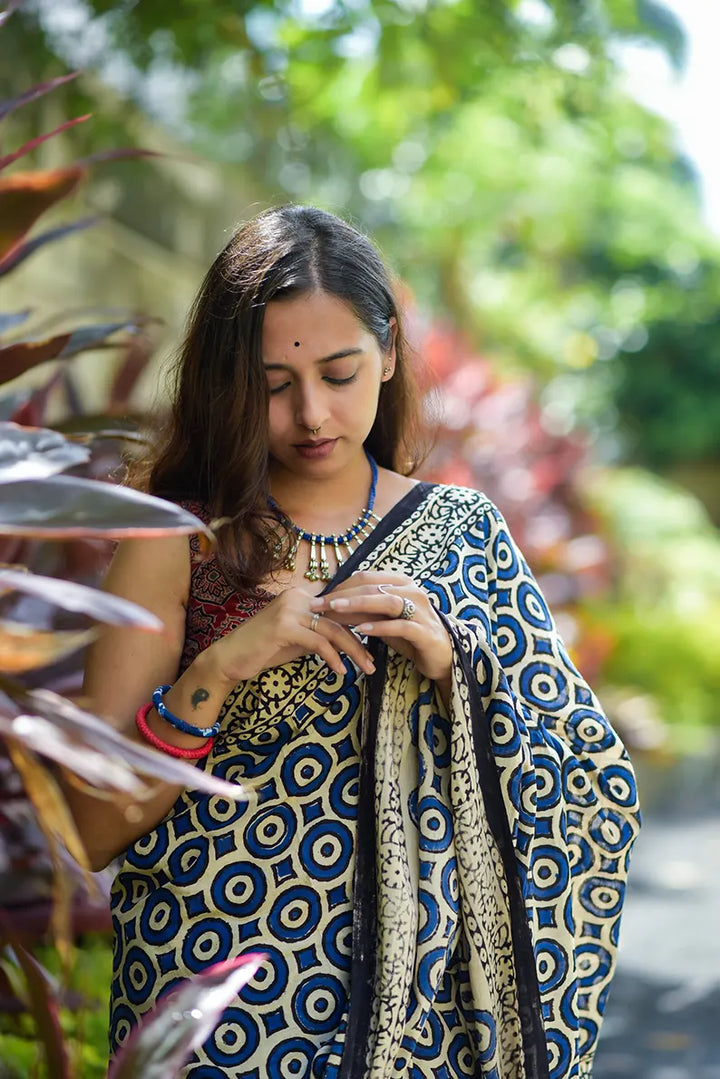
(324, 372)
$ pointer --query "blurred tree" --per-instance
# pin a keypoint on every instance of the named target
(489, 147)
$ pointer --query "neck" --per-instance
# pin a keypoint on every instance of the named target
(309, 499)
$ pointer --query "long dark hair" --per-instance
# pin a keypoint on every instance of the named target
(214, 446)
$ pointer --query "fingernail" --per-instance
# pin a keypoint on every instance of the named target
(364, 627)
(317, 604)
(338, 604)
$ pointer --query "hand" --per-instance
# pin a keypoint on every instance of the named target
(282, 631)
(359, 602)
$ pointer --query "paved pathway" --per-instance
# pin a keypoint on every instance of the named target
(663, 1017)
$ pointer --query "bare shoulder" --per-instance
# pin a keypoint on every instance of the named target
(391, 488)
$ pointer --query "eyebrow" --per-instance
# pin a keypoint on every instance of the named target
(325, 359)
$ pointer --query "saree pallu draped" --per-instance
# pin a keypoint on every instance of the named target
(438, 889)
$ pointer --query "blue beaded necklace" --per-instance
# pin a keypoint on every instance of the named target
(318, 568)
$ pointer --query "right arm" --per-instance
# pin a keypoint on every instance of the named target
(125, 665)
(123, 668)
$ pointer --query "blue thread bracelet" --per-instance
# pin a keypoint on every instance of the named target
(175, 721)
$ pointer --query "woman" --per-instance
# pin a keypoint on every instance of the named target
(435, 840)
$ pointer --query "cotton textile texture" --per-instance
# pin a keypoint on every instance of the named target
(438, 889)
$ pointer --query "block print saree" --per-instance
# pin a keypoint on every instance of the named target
(438, 890)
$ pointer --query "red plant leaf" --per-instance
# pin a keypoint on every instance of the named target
(32, 452)
(20, 357)
(6, 107)
(103, 606)
(44, 1007)
(28, 147)
(24, 196)
(65, 507)
(181, 1021)
(24, 250)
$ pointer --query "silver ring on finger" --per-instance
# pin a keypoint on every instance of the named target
(314, 621)
(408, 608)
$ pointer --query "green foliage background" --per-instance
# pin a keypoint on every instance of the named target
(490, 148)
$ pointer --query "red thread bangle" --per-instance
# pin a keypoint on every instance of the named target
(174, 751)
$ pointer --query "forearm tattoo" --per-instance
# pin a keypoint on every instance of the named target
(198, 697)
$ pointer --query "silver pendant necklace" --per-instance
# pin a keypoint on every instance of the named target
(318, 567)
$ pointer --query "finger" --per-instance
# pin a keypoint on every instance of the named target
(345, 641)
(405, 628)
(315, 642)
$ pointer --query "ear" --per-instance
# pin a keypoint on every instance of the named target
(390, 357)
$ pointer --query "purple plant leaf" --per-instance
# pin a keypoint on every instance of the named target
(48, 740)
(89, 730)
(28, 247)
(68, 506)
(25, 196)
(6, 107)
(35, 452)
(24, 648)
(103, 606)
(181, 1021)
(28, 147)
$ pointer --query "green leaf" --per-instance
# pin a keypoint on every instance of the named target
(67, 506)
(33, 452)
(44, 1008)
(103, 606)
(182, 1021)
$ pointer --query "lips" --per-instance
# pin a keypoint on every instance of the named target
(312, 444)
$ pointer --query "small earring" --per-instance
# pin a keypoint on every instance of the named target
(386, 370)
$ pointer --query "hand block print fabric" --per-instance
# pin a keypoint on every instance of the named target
(438, 890)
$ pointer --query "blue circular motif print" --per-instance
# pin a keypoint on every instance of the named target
(552, 964)
(271, 831)
(601, 896)
(318, 1004)
(533, 607)
(138, 975)
(205, 943)
(337, 940)
(239, 889)
(505, 557)
(544, 687)
(290, 1059)
(305, 769)
(269, 980)
(345, 792)
(512, 642)
(160, 917)
(189, 862)
(436, 824)
(550, 872)
(234, 1040)
(295, 913)
(326, 849)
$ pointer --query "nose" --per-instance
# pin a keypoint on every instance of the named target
(311, 412)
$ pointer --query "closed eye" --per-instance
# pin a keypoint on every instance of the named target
(340, 381)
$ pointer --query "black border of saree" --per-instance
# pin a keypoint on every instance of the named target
(364, 930)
